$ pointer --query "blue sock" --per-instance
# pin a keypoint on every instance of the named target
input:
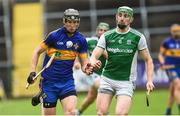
(168, 111)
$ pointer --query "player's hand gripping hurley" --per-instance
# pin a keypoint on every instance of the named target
(45, 67)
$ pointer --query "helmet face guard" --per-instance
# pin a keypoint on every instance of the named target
(71, 17)
(71, 14)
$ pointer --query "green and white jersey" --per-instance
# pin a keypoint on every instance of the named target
(122, 51)
(92, 42)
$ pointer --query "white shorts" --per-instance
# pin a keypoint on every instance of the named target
(115, 87)
(81, 77)
(92, 78)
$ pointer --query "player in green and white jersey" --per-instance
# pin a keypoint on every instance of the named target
(119, 74)
(94, 80)
(92, 42)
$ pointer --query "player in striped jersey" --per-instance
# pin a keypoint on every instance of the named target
(120, 72)
(57, 81)
(170, 56)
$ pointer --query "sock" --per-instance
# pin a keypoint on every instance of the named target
(168, 111)
(179, 108)
(80, 112)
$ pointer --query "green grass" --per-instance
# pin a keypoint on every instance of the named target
(157, 99)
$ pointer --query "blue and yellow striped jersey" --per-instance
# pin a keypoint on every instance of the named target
(67, 48)
(170, 48)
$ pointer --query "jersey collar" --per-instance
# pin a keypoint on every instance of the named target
(122, 32)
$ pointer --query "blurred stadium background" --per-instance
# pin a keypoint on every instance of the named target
(24, 23)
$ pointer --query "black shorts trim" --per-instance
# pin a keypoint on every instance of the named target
(68, 94)
(49, 105)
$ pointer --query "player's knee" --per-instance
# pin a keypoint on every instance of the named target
(70, 111)
(122, 110)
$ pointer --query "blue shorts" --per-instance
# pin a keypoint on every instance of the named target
(173, 73)
(54, 90)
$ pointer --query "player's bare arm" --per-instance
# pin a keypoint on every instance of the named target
(149, 68)
(105, 54)
(35, 57)
(77, 64)
(85, 65)
(161, 58)
(97, 52)
(34, 63)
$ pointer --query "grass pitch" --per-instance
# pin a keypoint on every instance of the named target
(157, 99)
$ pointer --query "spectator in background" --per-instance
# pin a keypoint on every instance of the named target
(169, 57)
(94, 80)
(119, 74)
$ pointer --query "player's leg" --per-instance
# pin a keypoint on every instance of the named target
(177, 90)
(91, 96)
(124, 93)
(178, 105)
(68, 96)
(48, 111)
(69, 105)
(49, 101)
(170, 99)
(89, 99)
(97, 82)
(104, 97)
(49, 104)
(50, 98)
(123, 105)
(103, 103)
(174, 75)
